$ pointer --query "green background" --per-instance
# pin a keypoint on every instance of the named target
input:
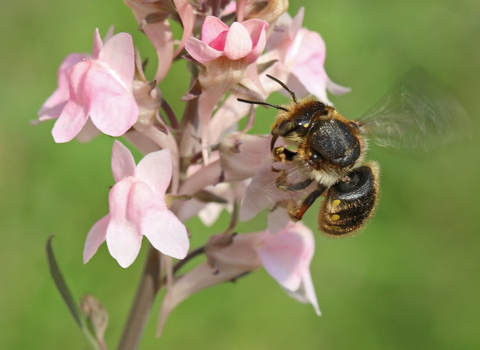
(408, 281)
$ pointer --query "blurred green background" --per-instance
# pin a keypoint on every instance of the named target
(409, 281)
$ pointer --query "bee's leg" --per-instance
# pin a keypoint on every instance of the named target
(283, 185)
(296, 211)
(282, 154)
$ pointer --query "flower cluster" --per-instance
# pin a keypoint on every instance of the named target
(201, 164)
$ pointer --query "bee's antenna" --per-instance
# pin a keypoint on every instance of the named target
(263, 104)
(292, 94)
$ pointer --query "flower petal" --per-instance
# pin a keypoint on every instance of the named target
(123, 164)
(96, 236)
(113, 109)
(310, 291)
(257, 31)
(277, 220)
(166, 233)
(118, 54)
(123, 238)
(97, 44)
(281, 255)
(75, 113)
(156, 170)
(201, 51)
(52, 108)
(123, 243)
(212, 27)
(238, 43)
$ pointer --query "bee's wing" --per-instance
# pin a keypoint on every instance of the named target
(262, 192)
(415, 114)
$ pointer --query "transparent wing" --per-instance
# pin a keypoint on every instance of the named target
(415, 115)
(263, 192)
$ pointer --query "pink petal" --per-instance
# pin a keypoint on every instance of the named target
(296, 23)
(123, 243)
(118, 54)
(307, 64)
(243, 154)
(96, 236)
(141, 199)
(189, 209)
(258, 48)
(123, 164)
(241, 9)
(219, 42)
(314, 79)
(75, 112)
(109, 34)
(255, 28)
(156, 170)
(185, 11)
(281, 255)
(212, 27)
(238, 43)
(54, 105)
(310, 291)
(201, 51)
(166, 233)
(97, 44)
(123, 238)
(88, 132)
(277, 220)
(113, 109)
(210, 213)
(228, 114)
(336, 89)
(232, 261)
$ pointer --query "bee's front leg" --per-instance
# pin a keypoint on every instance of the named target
(282, 154)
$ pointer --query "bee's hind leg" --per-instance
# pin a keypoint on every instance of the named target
(296, 211)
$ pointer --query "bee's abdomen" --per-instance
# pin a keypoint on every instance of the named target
(350, 203)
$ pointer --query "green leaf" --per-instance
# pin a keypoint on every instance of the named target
(68, 297)
(61, 284)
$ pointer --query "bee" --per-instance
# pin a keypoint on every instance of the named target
(329, 150)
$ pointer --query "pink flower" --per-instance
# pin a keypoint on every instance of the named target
(53, 107)
(137, 209)
(286, 256)
(302, 53)
(99, 87)
(152, 17)
(244, 40)
(225, 52)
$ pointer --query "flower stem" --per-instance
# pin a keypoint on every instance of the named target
(142, 304)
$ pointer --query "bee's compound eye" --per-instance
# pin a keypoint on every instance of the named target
(285, 127)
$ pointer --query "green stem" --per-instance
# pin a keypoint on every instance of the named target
(142, 304)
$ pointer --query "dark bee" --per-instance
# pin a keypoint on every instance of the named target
(328, 149)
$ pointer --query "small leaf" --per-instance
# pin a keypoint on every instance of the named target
(60, 282)
(67, 296)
